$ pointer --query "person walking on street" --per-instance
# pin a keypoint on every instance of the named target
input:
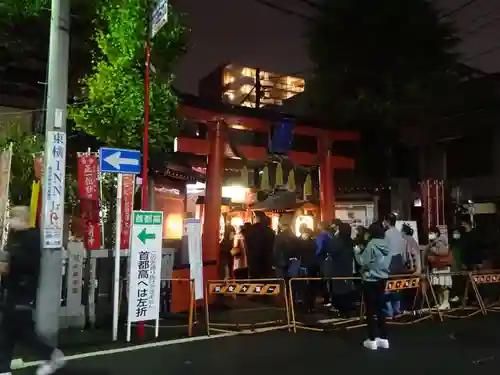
(374, 261)
(20, 266)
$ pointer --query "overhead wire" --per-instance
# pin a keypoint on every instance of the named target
(312, 4)
(483, 26)
(458, 9)
(483, 53)
(280, 9)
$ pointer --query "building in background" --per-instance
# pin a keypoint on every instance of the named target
(245, 86)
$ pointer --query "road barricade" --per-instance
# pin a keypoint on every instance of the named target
(246, 306)
(307, 307)
(412, 295)
(464, 299)
(486, 288)
(176, 318)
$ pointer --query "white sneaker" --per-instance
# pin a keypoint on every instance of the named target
(455, 299)
(370, 344)
(56, 362)
(327, 305)
(444, 306)
(382, 343)
(6, 373)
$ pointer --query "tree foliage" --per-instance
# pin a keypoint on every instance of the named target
(25, 146)
(384, 60)
(111, 106)
(15, 9)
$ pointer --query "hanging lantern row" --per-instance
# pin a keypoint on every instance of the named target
(307, 187)
(279, 179)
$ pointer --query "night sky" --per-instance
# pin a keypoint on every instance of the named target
(247, 32)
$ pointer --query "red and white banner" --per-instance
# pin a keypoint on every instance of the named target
(127, 207)
(88, 186)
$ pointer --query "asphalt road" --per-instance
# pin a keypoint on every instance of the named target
(454, 347)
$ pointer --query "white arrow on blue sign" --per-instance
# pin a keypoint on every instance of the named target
(115, 160)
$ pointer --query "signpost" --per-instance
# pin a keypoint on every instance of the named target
(115, 160)
(145, 269)
(159, 16)
(119, 161)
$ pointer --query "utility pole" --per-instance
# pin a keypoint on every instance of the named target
(54, 174)
(258, 91)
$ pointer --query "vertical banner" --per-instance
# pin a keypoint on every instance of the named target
(88, 186)
(38, 164)
(192, 228)
(35, 198)
(5, 164)
(127, 206)
(53, 190)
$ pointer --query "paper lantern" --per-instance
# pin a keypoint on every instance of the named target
(291, 181)
(308, 186)
(264, 181)
(279, 175)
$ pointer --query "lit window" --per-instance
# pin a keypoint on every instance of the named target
(228, 78)
(248, 72)
(237, 221)
(237, 194)
(173, 227)
(245, 89)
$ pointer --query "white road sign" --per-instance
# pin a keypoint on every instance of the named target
(145, 266)
(159, 17)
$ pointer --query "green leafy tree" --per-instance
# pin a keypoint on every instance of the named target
(111, 107)
(385, 61)
(25, 146)
(15, 9)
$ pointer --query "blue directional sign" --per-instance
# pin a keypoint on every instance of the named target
(115, 160)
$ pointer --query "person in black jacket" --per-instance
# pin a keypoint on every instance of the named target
(285, 249)
(21, 271)
(310, 263)
(260, 242)
(340, 251)
(472, 247)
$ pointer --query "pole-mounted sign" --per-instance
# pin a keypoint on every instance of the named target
(119, 161)
(159, 17)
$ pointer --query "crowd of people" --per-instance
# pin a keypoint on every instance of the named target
(341, 259)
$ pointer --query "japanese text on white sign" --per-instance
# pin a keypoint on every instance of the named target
(145, 266)
(53, 190)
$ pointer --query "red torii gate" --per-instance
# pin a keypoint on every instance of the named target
(215, 148)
